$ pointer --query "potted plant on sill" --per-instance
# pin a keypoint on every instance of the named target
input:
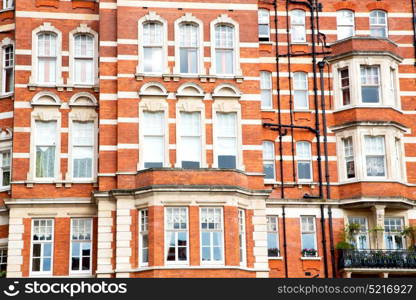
(410, 233)
(309, 252)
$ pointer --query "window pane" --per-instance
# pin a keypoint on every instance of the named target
(304, 170)
(308, 241)
(225, 61)
(370, 94)
(152, 59)
(189, 60)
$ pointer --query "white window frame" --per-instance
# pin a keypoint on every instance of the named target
(344, 21)
(363, 231)
(93, 147)
(226, 20)
(219, 135)
(366, 84)
(6, 42)
(242, 231)
(309, 232)
(143, 231)
(89, 271)
(8, 4)
(350, 157)
(301, 25)
(344, 88)
(3, 257)
(378, 24)
(2, 152)
(5, 68)
(394, 234)
(266, 86)
(275, 232)
(198, 136)
(304, 160)
(176, 231)
(221, 230)
(188, 18)
(150, 18)
(264, 20)
(32, 242)
(298, 81)
(269, 160)
(369, 154)
(83, 29)
(33, 81)
(57, 150)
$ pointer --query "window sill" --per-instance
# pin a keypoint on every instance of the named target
(347, 107)
(275, 258)
(266, 42)
(2, 96)
(372, 180)
(310, 258)
(271, 181)
(306, 110)
(33, 86)
(82, 86)
(6, 9)
(270, 109)
(4, 188)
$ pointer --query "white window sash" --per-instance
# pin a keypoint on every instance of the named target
(176, 232)
(42, 244)
(81, 243)
(143, 234)
(211, 232)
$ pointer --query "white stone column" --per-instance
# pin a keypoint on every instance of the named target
(379, 211)
(260, 238)
(105, 237)
(15, 245)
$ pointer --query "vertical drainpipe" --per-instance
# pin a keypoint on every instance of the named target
(284, 240)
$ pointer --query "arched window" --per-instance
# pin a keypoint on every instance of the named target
(378, 23)
(8, 69)
(304, 160)
(298, 26)
(47, 57)
(300, 87)
(84, 59)
(189, 48)
(264, 24)
(152, 47)
(345, 24)
(224, 49)
(266, 89)
(268, 160)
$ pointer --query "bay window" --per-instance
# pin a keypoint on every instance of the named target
(176, 235)
(378, 24)
(375, 156)
(224, 49)
(154, 139)
(82, 149)
(42, 246)
(349, 157)
(45, 145)
(393, 239)
(273, 236)
(242, 235)
(298, 26)
(190, 140)
(300, 88)
(360, 240)
(226, 140)
(268, 160)
(84, 59)
(189, 48)
(345, 86)
(345, 24)
(8, 69)
(81, 245)
(143, 237)
(212, 245)
(370, 84)
(152, 47)
(5, 168)
(266, 90)
(264, 24)
(308, 229)
(47, 57)
(304, 161)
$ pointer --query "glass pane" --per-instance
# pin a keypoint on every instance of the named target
(189, 60)
(225, 61)
(75, 249)
(206, 254)
(375, 166)
(205, 239)
(36, 250)
(268, 170)
(36, 264)
(86, 263)
(75, 264)
(308, 241)
(370, 94)
(46, 264)
(152, 59)
(272, 244)
(227, 162)
(304, 170)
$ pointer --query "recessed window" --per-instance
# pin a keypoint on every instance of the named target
(266, 90)
(144, 237)
(375, 156)
(189, 48)
(45, 145)
(242, 235)
(82, 149)
(344, 75)
(273, 236)
(349, 157)
(176, 234)
(154, 139)
(300, 87)
(226, 147)
(212, 246)
(224, 49)
(304, 161)
(264, 24)
(297, 26)
(268, 160)
(345, 24)
(378, 23)
(3, 259)
(47, 58)
(84, 59)
(393, 238)
(42, 242)
(152, 47)
(190, 140)
(370, 84)
(8, 69)
(360, 240)
(81, 245)
(309, 248)
(5, 168)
